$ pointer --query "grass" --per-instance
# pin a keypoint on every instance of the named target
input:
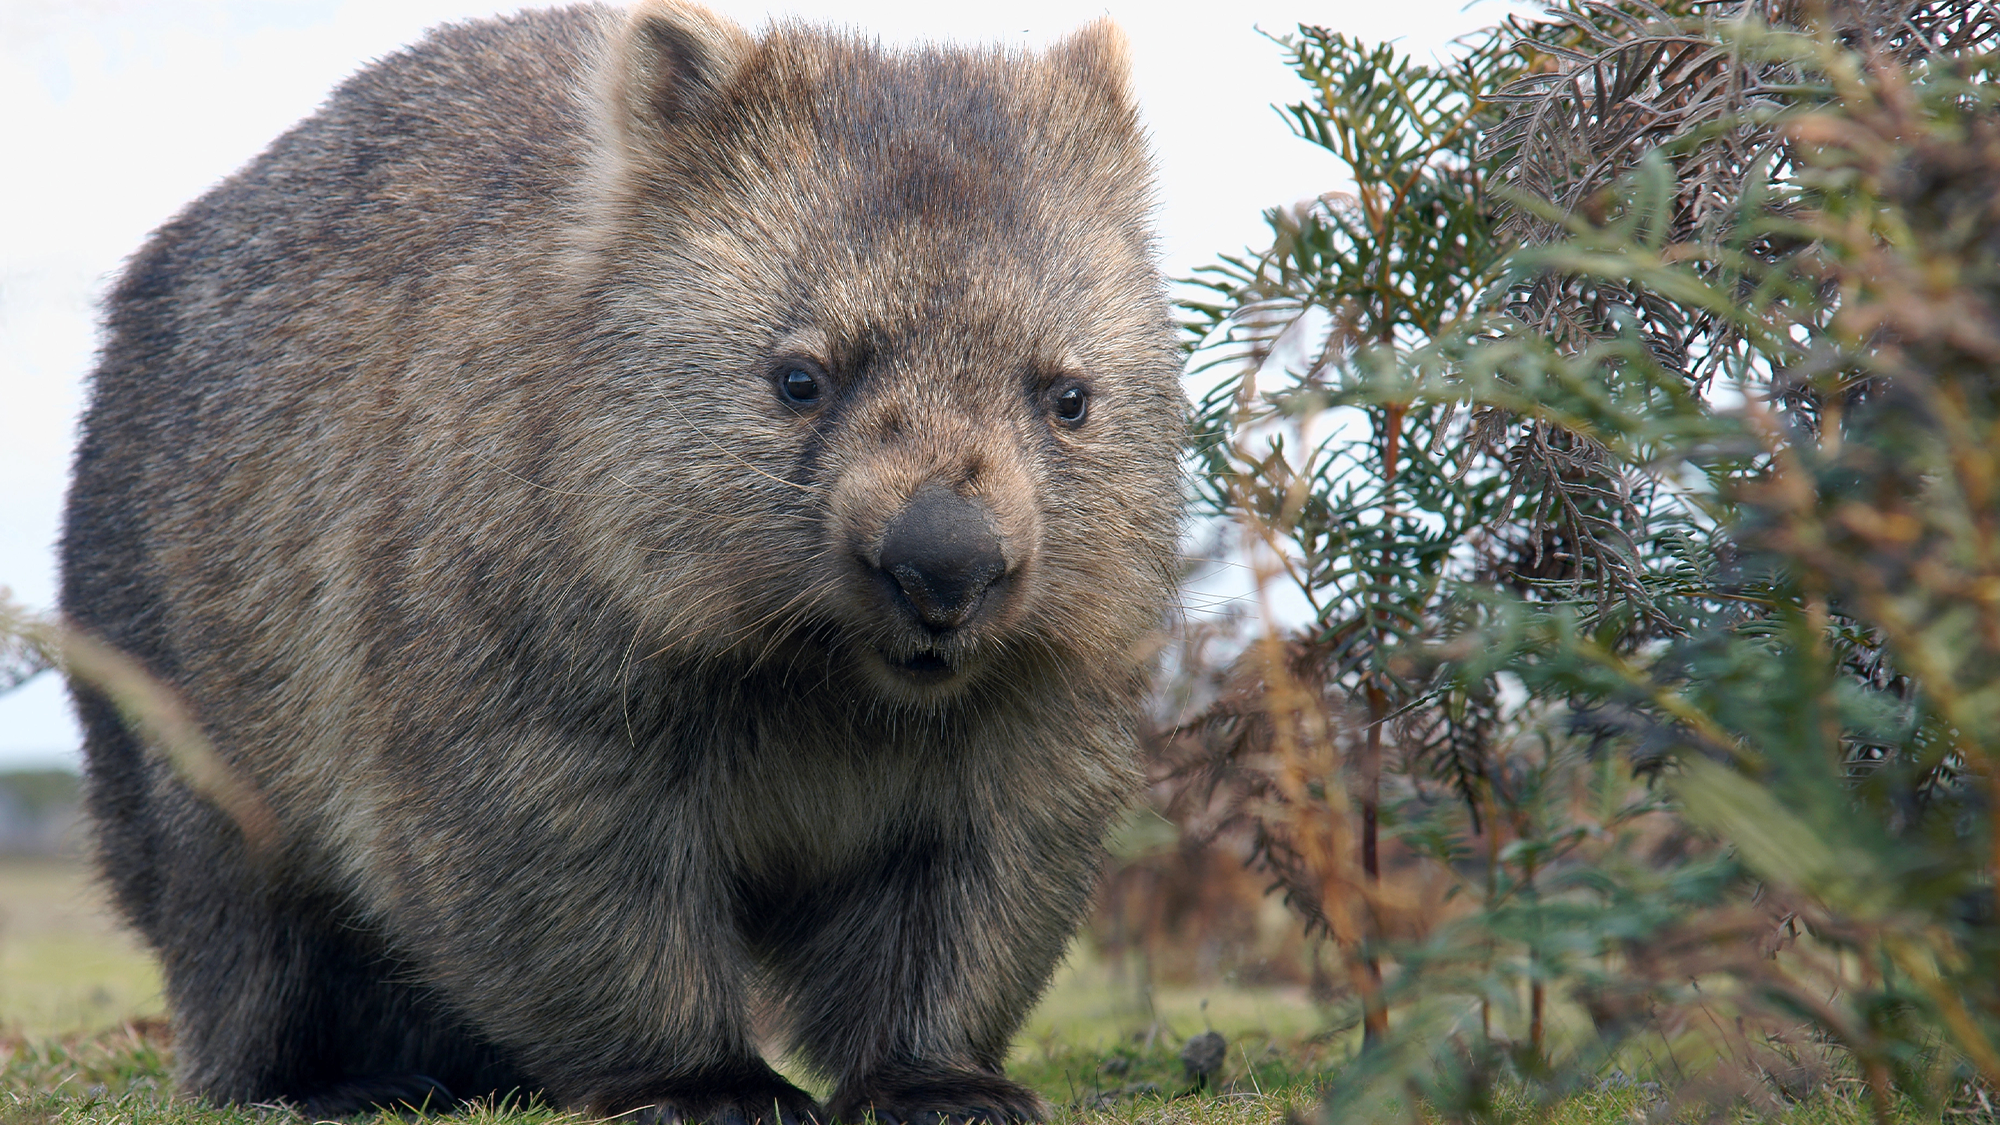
(120, 1075)
(82, 1041)
(65, 965)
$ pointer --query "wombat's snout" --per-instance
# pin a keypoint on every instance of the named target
(943, 554)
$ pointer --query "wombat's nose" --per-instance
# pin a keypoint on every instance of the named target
(942, 552)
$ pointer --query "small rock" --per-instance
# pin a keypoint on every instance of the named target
(1203, 1057)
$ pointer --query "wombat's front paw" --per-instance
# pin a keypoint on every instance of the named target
(937, 1097)
(390, 1093)
(772, 1101)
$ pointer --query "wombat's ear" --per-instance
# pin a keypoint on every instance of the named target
(665, 61)
(1095, 55)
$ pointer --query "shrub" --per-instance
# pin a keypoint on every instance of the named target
(1631, 434)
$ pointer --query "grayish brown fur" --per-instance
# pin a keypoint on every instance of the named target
(441, 459)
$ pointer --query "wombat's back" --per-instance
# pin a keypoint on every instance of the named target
(246, 379)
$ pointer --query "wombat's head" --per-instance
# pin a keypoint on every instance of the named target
(897, 395)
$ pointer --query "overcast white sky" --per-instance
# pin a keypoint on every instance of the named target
(118, 112)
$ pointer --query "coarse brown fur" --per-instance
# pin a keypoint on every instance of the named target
(615, 485)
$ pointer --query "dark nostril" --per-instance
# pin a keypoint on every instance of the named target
(942, 551)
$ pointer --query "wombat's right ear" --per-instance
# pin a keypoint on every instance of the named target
(1098, 56)
(664, 62)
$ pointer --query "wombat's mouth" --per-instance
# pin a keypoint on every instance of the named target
(923, 667)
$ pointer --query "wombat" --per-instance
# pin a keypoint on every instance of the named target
(671, 521)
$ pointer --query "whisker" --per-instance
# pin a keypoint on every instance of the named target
(681, 506)
(625, 681)
(732, 454)
(728, 640)
(777, 635)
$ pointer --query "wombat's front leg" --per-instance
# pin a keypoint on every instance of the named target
(599, 951)
(909, 977)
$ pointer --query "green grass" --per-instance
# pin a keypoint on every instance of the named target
(120, 1075)
(65, 965)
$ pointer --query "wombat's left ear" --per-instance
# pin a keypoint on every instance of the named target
(1096, 55)
(665, 63)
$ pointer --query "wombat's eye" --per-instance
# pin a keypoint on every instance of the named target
(1072, 404)
(799, 384)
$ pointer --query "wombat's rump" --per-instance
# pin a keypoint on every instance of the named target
(671, 521)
